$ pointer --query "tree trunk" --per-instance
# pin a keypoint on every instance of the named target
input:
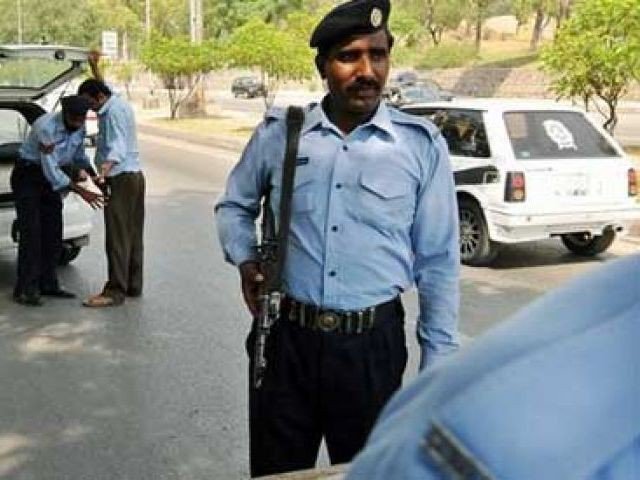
(564, 9)
(478, 31)
(536, 35)
(612, 120)
(436, 35)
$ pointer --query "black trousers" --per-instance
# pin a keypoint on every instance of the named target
(320, 384)
(39, 216)
(124, 229)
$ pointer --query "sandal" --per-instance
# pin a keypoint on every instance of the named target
(98, 301)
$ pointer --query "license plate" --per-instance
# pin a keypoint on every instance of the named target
(571, 185)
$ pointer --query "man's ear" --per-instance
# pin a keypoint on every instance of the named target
(320, 61)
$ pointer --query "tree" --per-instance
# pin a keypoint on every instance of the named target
(125, 73)
(596, 54)
(222, 17)
(180, 65)
(279, 54)
(441, 15)
(479, 12)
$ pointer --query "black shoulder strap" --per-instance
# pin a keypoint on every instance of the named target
(295, 117)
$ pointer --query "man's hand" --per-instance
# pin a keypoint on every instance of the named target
(94, 63)
(82, 175)
(46, 148)
(95, 200)
(101, 182)
(94, 57)
(252, 280)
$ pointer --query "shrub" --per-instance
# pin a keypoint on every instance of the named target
(447, 56)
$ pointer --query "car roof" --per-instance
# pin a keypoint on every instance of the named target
(497, 105)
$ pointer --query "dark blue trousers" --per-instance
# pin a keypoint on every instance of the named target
(39, 216)
(322, 385)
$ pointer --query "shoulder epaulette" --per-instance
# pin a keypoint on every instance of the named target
(275, 113)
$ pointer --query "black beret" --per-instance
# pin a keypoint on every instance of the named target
(355, 17)
(75, 104)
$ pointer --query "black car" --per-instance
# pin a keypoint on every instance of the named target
(248, 87)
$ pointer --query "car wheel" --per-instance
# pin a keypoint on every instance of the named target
(588, 245)
(69, 254)
(476, 248)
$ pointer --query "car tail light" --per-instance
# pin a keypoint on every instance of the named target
(515, 187)
(633, 183)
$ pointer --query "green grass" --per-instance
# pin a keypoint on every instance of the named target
(453, 54)
(218, 125)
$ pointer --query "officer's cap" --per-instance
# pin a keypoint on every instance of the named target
(75, 105)
(355, 17)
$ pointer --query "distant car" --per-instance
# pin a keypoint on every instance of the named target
(530, 170)
(418, 92)
(248, 87)
(28, 73)
(408, 77)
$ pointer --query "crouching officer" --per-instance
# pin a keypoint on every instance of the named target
(55, 141)
(373, 212)
(551, 394)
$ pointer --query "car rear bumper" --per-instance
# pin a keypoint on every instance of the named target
(507, 227)
(78, 218)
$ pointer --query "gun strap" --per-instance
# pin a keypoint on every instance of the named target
(295, 117)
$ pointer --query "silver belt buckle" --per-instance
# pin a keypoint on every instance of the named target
(328, 321)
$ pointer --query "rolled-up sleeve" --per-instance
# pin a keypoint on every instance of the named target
(239, 206)
(435, 238)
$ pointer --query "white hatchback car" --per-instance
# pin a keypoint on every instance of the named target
(28, 73)
(530, 170)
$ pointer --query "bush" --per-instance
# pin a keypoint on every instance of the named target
(446, 56)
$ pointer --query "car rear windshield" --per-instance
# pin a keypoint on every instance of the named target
(538, 135)
(29, 72)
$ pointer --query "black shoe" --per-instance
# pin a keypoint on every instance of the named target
(29, 299)
(58, 293)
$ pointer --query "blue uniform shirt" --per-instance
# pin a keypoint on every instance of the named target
(374, 212)
(554, 393)
(68, 148)
(117, 140)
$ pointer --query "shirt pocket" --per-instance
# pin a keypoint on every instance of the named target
(303, 197)
(384, 201)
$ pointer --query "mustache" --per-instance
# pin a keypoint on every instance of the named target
(361, 83)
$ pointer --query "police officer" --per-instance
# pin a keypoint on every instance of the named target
(56, 141)
(374, 211)
(118, 161)
(551, 394)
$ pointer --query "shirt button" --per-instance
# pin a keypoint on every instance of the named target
(338, 185)
(345, 148)
(334, 228)
(332, 273)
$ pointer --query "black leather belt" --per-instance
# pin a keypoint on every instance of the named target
(316, 318)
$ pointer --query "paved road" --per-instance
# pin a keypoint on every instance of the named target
(156, 389)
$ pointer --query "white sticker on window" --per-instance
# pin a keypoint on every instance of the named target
(559, 134)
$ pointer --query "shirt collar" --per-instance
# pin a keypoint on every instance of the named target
(315, 116)
(107, 105)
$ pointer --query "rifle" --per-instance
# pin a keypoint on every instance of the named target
(273, 248)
